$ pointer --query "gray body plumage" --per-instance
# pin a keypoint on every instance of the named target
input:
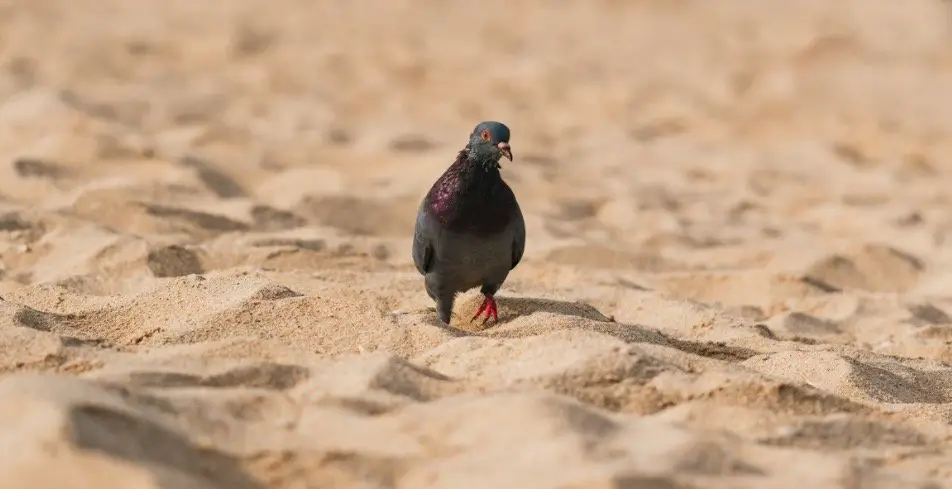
(453, 262)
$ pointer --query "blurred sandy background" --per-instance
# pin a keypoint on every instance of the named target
(738, 271)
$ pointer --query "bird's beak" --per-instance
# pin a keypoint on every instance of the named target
(505, 149)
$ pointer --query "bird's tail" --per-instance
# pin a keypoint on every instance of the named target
(444, 308)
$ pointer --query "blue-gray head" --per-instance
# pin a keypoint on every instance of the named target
(490, 141)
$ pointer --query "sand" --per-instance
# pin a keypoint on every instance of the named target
(738, 272)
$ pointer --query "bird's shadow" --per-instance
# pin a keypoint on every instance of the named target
(512, 308)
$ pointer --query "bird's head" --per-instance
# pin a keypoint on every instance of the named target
(489, 142)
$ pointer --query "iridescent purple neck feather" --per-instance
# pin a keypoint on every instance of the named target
(471, 196)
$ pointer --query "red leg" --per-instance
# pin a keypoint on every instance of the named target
(489, 307)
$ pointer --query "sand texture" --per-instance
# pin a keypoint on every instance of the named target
(738, 271)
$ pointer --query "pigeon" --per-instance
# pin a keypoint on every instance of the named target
(469, 229)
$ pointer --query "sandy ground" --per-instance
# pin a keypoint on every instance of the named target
(738, 271)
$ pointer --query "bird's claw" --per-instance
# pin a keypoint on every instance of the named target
(489, 307)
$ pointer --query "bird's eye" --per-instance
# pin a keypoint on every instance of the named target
(485, 135)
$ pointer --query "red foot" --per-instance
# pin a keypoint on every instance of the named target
(489, 307)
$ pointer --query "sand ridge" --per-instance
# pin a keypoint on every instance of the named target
(736, 272)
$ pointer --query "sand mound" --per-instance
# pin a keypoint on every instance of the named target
(736, 274)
